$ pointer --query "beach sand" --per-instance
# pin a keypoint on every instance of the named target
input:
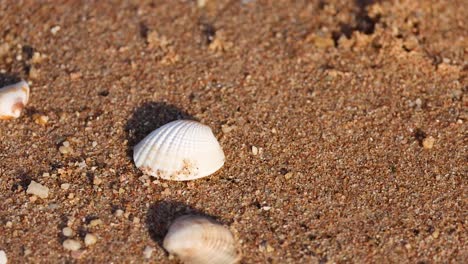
(343, 124)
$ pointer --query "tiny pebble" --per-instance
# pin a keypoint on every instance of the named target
(65, 186)
(97, 180)
(75, 75)
(226, 129)
(37, 58)
(288, 175)
(42, 120)
(55, 30)
(3, 257)
(201, 3)
(428, 142)
(71, 244)
(38, 190)
(65, 148)
(254, 150)
(269, 249)
(9, 224)
(67, 231)
(90, 239)
(148, 252)
(118, 213)
(95, 222)
(418, 102)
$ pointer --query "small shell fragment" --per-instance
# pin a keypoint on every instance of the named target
(38, 190)
(181, 150)
(199, 240)
(13, 99)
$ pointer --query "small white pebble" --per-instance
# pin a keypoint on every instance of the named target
(65, 148)
(254, 150)
(148, 252)
(55, 30)
(71, 244)
(288, 175)
(38, 190)
(94, 144)
(9, 224)
(67, 231)
(201, 3)
(90, 239)
(266, 208)
(118, 213)
(3, 257)
(418, 102)
(65, 186)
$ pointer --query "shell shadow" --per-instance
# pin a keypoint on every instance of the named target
(148, 117)
(8, 78)
(161, 214)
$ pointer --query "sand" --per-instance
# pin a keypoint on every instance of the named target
(356, 109)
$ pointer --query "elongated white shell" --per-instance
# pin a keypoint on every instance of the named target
(180, 150)
(13, 99)
(200, 240)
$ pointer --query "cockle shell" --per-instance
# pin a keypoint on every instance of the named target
(180, 150)
(13, 99)
(200, 240)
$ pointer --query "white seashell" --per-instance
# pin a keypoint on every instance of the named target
(13, 99)
(180, 150)
(199, 240)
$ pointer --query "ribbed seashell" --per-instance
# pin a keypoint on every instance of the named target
(13, 99)
(180, 150)
(200, 240)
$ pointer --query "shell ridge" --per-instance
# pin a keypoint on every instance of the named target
(148, 143)
(171, 141)
(160, 143)
(155, 141)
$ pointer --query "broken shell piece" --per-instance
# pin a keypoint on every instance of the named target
(198, 240)
(181, 150)
(13, 99)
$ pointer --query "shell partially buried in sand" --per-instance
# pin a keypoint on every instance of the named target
(199, 240)
(180, 150)
(13, 99)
